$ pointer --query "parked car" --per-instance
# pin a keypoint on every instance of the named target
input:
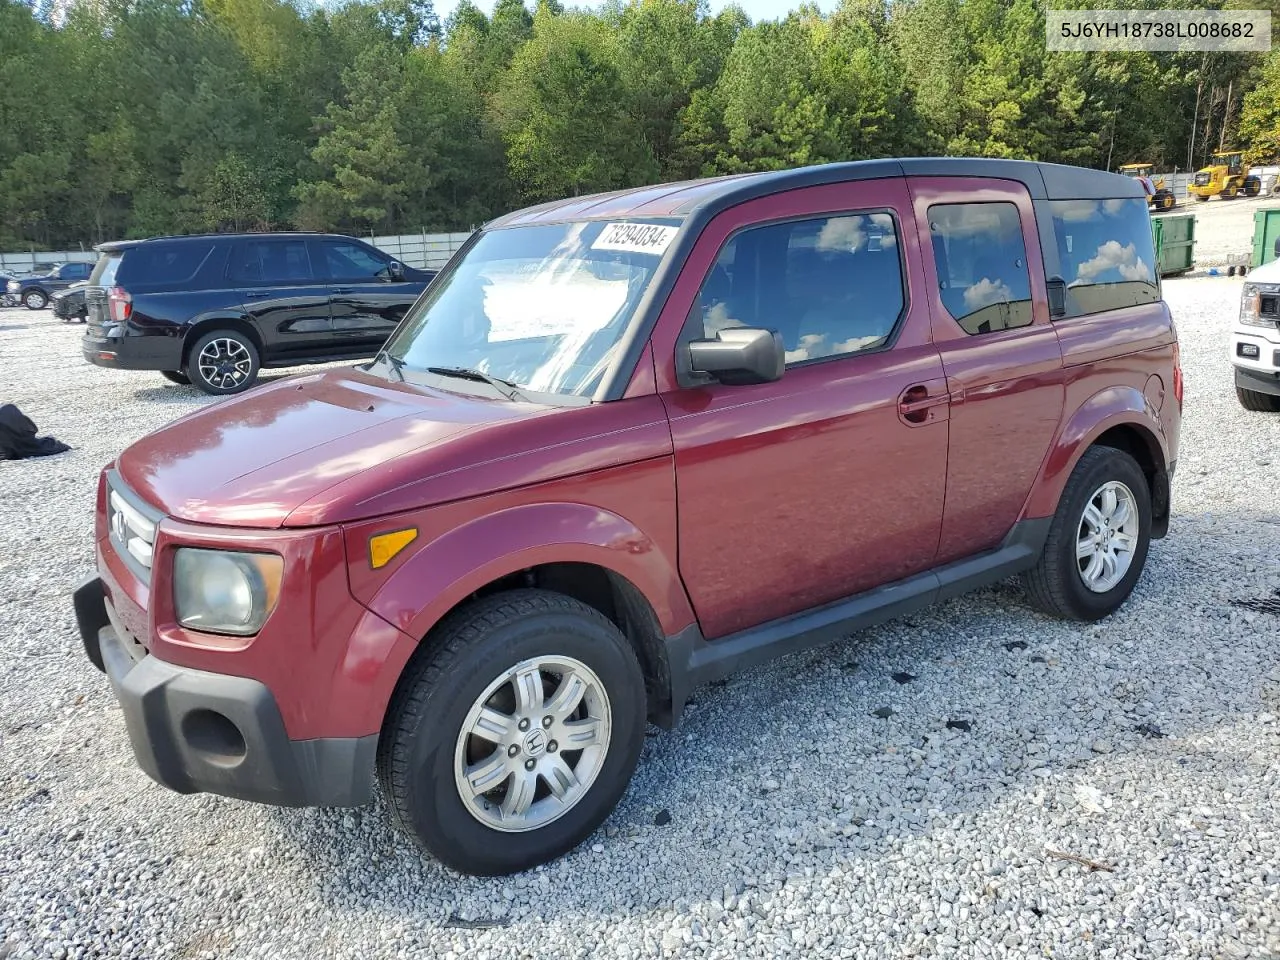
(1255, 341)
(35, 291)
(7, 299)
(625, 445)
(213, 310)
(69, 304)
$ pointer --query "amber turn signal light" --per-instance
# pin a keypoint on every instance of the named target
(384, 546)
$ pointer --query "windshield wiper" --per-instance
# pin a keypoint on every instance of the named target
(504, 387)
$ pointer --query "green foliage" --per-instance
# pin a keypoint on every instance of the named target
(136, 117)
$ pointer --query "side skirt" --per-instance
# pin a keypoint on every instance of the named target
(695, 660)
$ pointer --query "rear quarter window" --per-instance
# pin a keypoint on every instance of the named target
(1107, 254)
(162, 264)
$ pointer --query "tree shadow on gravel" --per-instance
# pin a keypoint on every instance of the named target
(787, 770)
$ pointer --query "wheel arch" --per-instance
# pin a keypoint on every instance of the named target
(597, 557)
(1118, 417)
(207, 325)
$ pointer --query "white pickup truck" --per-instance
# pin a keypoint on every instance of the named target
(1255, 341)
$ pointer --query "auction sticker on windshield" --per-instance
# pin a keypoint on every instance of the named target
(636, 237)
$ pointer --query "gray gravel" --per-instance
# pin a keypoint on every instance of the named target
(783, 819)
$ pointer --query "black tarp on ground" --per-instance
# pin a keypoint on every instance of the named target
(18, 438)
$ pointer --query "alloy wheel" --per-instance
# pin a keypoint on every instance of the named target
(1107, 536)
(532, 744)
(225, 363)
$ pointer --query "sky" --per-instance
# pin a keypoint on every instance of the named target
(756, 9)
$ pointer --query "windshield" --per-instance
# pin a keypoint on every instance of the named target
(543, 307)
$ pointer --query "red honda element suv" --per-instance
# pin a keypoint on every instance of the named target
(623, 445)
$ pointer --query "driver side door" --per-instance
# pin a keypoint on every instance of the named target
(365, 303)
(830, 481)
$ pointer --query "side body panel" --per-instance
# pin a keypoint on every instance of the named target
(622, 519)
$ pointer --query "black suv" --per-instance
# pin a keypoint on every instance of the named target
(210, 310)
(37, 290)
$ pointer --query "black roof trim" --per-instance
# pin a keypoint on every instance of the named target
(1043, 181)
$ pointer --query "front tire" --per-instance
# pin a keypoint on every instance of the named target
(1258, 402)
(35, 299)
(223, 362)
(474, 757)
(1098, 539)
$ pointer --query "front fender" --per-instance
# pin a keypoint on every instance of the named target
(1112, 407)
(446, 569)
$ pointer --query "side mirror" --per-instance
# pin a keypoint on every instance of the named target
(395, 270)
(1056, 287)
(739, 356)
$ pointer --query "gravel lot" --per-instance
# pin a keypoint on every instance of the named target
(1224, 228)
(783, 818)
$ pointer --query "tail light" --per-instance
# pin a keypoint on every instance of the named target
(120, 304)
(1177, 373)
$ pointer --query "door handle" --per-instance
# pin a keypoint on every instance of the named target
(256, 294)
(919, 403)
(340, 290)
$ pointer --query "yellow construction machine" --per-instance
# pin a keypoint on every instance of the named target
(1159, 196)
(1226, 176)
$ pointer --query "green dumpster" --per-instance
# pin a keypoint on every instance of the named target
(1175, 240)
(1266, 231)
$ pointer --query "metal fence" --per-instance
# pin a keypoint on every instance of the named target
(1178, 182)
(429, 251)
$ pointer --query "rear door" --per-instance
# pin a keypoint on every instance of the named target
(283, 296)
(1000, 353)
(365, 302)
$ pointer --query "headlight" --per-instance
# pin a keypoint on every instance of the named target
(218, 591)
(13, 286)
(1251, 303)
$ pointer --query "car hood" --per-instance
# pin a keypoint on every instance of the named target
(318, 449)
(1266, 273)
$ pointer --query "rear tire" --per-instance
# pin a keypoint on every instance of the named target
(1060, 583)
(35, 299)
(1252, 187)
(1258, 402)
(461, 716)
(176, 376)
(223, 362)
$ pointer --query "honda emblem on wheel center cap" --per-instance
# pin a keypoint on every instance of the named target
(535, 744)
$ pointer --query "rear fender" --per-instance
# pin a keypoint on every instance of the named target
(1112, 407)
(446, 570)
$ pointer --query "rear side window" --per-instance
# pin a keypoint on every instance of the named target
(830, 285)
(1107, 254)
(982, 265)
(271, 261)
(161, 263)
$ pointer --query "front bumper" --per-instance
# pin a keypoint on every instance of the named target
(194, 731)
(1259, 381)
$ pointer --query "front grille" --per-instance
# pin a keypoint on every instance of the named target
(1269, 306)
(1202, 179)
(131, 524)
